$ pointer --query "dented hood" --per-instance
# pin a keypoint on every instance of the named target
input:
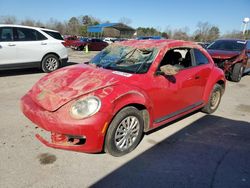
(222, 54)
(64, 85)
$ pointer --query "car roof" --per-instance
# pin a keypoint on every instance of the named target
(157, 43)
(227, 39)
(28, 27)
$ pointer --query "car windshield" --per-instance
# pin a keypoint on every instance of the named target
(227, 45)
(125, 58)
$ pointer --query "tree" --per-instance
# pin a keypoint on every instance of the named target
(74, 26)
(213, 33)
(206, 32)
(147, 31)
(125, 20)
(8, 20)
(180, 34)
(28, 22)
(234, 34)
(89, 20)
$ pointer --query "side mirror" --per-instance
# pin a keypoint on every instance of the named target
(168, 70)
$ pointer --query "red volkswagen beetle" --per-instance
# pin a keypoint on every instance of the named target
(127, 89)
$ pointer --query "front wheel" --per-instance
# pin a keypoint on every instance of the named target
(237, 72)
(50, 63)
(214, 100)
(125, 132)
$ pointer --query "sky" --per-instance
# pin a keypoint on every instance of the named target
(161, 14)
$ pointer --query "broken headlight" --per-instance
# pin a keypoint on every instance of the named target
(85, 107)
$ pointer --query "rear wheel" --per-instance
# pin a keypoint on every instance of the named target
(50, 63)
(125, 132)
(237, 72)
(214, 100)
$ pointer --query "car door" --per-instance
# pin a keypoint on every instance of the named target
(7, 46)
(248, 56)
(31, 45)
(182, 92)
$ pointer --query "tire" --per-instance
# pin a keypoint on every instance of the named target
(125, 132)
(50, 63)
(80, 48)
(237, 72)
(214, 100)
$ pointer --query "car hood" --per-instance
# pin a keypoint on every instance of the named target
(57, 88)
(222, 54)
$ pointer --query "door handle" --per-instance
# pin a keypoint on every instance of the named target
(43, 43)
(10, 44)
(197, 77)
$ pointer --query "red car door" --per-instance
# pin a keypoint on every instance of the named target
(97, 44)
(176, 94)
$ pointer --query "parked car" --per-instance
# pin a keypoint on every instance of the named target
(231, 56)
(127, 89)
(69, 40)
(109, 40)
(150, 38)
(93, 44)
(247, 69)
(22, 47)
(204, 44)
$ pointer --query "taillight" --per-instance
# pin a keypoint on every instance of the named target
(64, 43)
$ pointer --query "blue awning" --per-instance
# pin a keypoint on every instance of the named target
(99, 28)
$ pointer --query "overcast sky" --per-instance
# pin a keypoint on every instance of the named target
(226, 14)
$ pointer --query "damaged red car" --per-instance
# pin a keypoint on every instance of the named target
(231, 55)
(129, 88)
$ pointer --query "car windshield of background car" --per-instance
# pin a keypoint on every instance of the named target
(227, 45)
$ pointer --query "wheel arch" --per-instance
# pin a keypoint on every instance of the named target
(52, 53)
(137, 100)
(217, 77)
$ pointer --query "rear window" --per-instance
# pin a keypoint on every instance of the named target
(25, 34)
(53, 34)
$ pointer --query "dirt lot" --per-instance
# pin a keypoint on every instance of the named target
(197, 151)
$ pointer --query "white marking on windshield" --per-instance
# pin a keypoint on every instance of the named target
(122, 73)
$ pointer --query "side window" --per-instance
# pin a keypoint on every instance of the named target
(248, 45)
(24, 34)
(178, 57)
(6, 34)
(40, 36)
(200, 58)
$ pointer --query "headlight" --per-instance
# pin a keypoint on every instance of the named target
(85, 107)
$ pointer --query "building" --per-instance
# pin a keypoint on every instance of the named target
(117, 30)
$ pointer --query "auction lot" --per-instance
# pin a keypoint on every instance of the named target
(197, 151)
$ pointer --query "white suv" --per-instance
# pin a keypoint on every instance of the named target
(23, 46)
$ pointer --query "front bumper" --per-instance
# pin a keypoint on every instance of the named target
(67, 133)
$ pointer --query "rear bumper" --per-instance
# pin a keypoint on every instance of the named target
(66, 133)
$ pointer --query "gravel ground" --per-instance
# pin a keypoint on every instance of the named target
(197, 151)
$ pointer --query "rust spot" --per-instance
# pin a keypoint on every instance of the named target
(46, 158)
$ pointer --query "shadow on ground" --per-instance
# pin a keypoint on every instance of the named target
(211, 152)
(16, 72)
